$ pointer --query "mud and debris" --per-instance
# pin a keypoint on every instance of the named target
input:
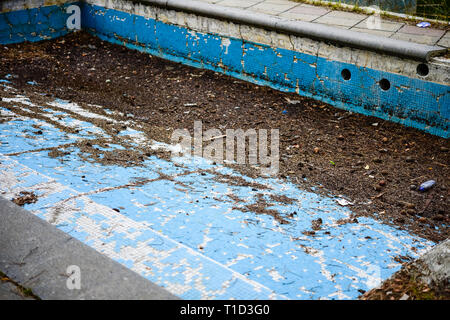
(263, 204)
(407, 285)
(237, 181)
(323, 149)
(282, 199)
(317, 224)
(25, 197)
(347, 220)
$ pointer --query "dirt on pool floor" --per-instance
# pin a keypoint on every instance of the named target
(25, 197)
(377, 164)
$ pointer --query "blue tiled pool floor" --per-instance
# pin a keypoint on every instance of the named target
(178, 222)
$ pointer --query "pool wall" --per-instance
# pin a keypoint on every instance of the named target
(33, 20)
(410, 92)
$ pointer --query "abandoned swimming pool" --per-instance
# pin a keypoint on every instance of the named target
(201, 230)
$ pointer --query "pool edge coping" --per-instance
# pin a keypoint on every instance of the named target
(315, 31)
(37, 255)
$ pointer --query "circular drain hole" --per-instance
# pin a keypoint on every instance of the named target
(346, 74)
(385, 84)
(422, 70)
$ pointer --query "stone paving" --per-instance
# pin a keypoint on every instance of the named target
(345, 20)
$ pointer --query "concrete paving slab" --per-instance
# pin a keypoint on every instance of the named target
(298, 16)
(381, 33)
(238, 3)
(282, 2)
(210, 1)
(407, 29)
(304, 12)
(272, 8)
(340, 26)
(424, 39)
(279, 1)
(445, 41)
(311, 10)
(383, 25)
(341, 18)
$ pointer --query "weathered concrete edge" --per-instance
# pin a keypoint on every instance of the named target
(434, 265)
(36, 254)
(315, 31)
(432, 268)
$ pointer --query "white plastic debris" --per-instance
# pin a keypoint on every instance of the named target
(423, 24)
(344, 202)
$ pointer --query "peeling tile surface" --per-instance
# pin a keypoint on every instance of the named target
(183, 228)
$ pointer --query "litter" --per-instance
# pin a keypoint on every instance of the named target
(426, 185)
(423, 24)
